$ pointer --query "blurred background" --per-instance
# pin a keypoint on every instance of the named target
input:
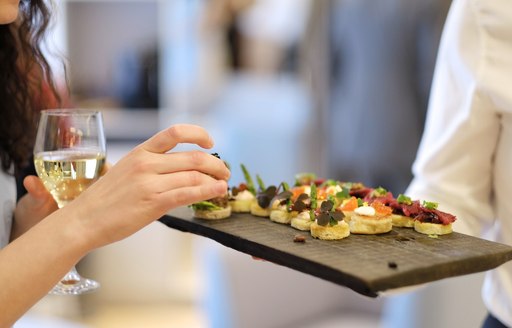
(335, 87)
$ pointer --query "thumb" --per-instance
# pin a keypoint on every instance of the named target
(35, 187)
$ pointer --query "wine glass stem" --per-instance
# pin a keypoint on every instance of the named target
(74, 284)
(71, 278)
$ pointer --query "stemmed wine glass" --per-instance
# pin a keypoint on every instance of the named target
(69, 155)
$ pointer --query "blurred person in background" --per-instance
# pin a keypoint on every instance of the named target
(371, 67)
(271, 32)
(261, 36)
(224, 16)
(139, 189)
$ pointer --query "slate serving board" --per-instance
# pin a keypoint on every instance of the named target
(368, 264)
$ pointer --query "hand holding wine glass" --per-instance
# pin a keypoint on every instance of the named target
(32, 207)
(69, 155)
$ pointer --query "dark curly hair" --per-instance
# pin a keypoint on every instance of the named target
(26, 82)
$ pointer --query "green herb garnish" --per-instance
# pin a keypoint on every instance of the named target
(205, 206)
(313, 195)
(329, 182)
(248, 180)
(379, 192)
(312, 215)
(261, 184)
(403, 199)
(331, 198)
(343, 194)
(430, 205)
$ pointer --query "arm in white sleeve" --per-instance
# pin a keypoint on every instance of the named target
(454, 165)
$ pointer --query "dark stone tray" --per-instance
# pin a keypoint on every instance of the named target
(368, 264)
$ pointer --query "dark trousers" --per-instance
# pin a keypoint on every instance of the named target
(492, 322)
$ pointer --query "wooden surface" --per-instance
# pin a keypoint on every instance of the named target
(368, 264)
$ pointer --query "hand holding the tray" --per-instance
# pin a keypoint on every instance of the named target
(148, 182)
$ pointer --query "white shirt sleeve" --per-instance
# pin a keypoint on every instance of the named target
(454, 165)
(465, 158)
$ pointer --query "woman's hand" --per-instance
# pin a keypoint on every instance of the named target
(147, 183)
(32, 207)
(136, 191)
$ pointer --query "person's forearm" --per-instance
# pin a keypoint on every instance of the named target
(33, 263)
(140, 188)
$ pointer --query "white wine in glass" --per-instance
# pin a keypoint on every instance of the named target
(69, 155)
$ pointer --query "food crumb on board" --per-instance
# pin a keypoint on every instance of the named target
(299, 239)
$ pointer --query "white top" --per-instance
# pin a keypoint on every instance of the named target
(465, 157)
(7, 204)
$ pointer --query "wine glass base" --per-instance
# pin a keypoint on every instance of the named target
(75, 287)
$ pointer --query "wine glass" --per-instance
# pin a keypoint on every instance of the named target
(69, 155)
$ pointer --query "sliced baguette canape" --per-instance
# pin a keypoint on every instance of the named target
(402, 221)
(429, 228)
(328, 232)
(241, 205)
(257, 210)
(302, 221)
(214, 214)
(366, 220)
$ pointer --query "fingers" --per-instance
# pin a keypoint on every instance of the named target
(35, 187)
(166, 182)
(188, 195)
(38, 198)
(167, 139)
(182, 133)
(191, 161)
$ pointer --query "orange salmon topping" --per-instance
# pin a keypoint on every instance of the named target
(349, 205)
(381, 209)
(321, 194)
